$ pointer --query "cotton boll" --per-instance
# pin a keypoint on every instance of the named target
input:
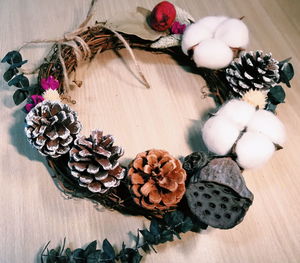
(219, 135)
(253, 150)
(193, 35)
(267, 123)
(233, 32)
(213, 54)
(211, 22)
(237, 111)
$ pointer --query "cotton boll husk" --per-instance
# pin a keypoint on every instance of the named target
(219, 135)
(193, 35)
(237, 111)
(213, 54)
(267, 123)
(233, 32)
(253, 150)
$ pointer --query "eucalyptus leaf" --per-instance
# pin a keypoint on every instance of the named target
(94, 257)
(276, 95)
(19, 96)
(12, 57)
(19, 81)
(134, 23)
(154, 227)
(18, 65)
(286, 71)
(148, 237)
(9, 74)
(108, 249)
(187, 225)
(90, 248)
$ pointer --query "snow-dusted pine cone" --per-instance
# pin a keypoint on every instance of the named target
(157, 180)
(94, 162)
(52, 127)
(253, 70)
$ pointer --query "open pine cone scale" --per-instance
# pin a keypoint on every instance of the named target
(94, 162)
(158, 180)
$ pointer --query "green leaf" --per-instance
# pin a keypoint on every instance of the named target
(12, 57)
(94, 257)
(9, 74)
(134, 23)
(108, 249)
(18, 65)
(174, 218)
(19, 81)
(276, 95)
(148, 237)
(19, 96)
(166, 235)
(154, 227)
(187, 225)
(286, 71)
(90, 248)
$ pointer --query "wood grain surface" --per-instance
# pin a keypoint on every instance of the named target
(167, 116)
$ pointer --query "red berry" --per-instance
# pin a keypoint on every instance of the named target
(162, 16)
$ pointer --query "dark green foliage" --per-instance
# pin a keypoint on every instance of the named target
(160, 231)
(276, 95)
(11, 76)
(19, 81)
(286, 71)
(19, 96)
(12, 57)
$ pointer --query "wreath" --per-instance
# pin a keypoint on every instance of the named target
(205, 188)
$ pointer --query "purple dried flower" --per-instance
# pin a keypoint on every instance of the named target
(50, 83)
(33, 101)
(178, 28)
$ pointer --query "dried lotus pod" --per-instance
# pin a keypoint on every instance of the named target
(194, 161)
(218, 195)
(157, 180)
(94, 162)
(51, 127)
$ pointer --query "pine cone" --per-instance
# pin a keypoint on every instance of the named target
(157, 180)
(52, 127)
(256, 71)
(94, 162)
(193, 162)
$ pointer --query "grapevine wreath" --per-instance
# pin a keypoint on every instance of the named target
(205, 188)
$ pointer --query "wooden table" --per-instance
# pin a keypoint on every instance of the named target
(167, 116)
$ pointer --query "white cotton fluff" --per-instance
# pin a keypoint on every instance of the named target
(265, 122)
(219, 135)
(211, 22)
(233, 32)
(213, 54)
(253, 150)
(193, 35)
(237, 111)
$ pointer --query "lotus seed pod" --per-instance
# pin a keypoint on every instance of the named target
(233, 32)
(193, 35)
(212, 54)
(267, 123)
(237, 111)
(219, 135)
(253, 150)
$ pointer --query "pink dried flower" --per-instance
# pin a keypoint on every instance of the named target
(34, 100)
(178, 28)
(50, 83)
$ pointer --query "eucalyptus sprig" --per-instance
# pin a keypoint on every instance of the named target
(14, 77)
(160, 231)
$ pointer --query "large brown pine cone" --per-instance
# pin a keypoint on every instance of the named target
(157, 180)
(52, 127)
(94, 162)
